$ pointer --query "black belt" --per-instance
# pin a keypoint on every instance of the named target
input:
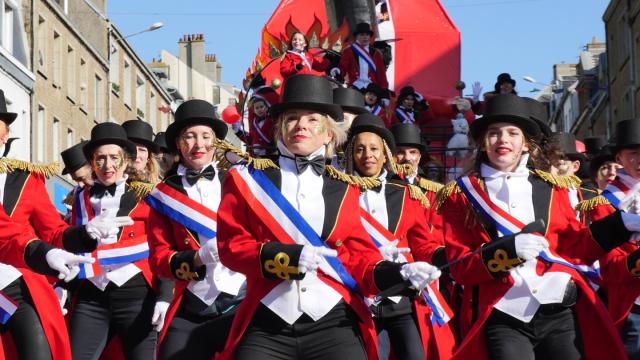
(568, 300)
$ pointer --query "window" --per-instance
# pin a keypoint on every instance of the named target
(57, 59)
(63, 5)
(151, 117)
(127, 83)
(84, 79)
(140, 96)
(55, 140)
(70, 137)
(42, 44)
(71, 73)
(97, 94)
(40, 134)
(7, 28)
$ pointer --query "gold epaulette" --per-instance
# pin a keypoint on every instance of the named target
(256, 163)
(140, 189)
(364, 183)
(588, 205)
(565, 182)
(404, 169)
(416, 194)
(428, 185)
(444, 193)
(9, 165)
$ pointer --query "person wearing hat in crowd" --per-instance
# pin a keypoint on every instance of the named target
(260, 137)
(504, 85)
(144, 167)
(298, 59)
(410, 107)
(361, 63)
(396, 211)
(165, 158)
(76, 165)
(182, 234)
(374, 101)
(602, 162)
(620, 268)
(524, 296)
(301, 248)
(352, 103)
(118, 295)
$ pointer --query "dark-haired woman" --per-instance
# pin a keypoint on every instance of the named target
(298, 59)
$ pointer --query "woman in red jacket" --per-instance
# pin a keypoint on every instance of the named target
(298, 59)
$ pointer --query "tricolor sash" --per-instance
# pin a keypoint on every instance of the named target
(303, 56)
(7, 308)
(258, 129)
(376, 110)
(405, 118)
(509, 225)
(275, 211)
(362, 53)
(615, 192)
(441, 313)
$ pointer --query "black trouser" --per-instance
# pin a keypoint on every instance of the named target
(125, 311)
(400, 324)
(193, 335)
(24, 326)
(552, 334)
(334, 336)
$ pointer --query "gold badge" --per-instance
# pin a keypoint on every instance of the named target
(185, 273)
(501, 262)
(279, 266)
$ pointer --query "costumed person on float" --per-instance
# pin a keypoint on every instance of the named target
(144, 168)
(602, 162)
(621, 267)
(76, 165)
(118, 295)
(290, 228)
(351, 102)
(373, 101)
(298, 60)
(522, 256)
(165, 158)
(362, 64)
(410, 107)
(259, 139)
(182, 233)
(504, 85)
(394, 215)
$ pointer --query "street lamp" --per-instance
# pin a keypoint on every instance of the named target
(530, 79)
(153, 27)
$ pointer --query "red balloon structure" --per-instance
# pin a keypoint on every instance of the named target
(230, 115)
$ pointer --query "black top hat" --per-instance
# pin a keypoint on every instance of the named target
(508, 108)
(140, 132)
(161, 142)
(627, 134)
(308, 92)
(374, 88)
(194, 112)
(503, 78)
(73, 158)
(368, 122)
(567, 143)
(539, 114)
(350, 100)
(605, 154)
(408, 135)
(7, 117)
(594, 144)
(108, 133)
(363, 28)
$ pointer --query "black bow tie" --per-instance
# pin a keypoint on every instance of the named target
(377, 188)
(317, 163)
(193, 176)
(99, 190)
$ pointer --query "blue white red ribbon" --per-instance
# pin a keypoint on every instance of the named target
(615, 192)
(405, 118)
(441, 313)
(7, 308)
(364, 54)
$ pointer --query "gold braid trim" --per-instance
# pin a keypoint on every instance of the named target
(428, 185)
(588, 205)
(364, 183)
(404, 169)
(444, 193)
(10, 165)
(565, 182)
(256, 163)
(140, 189)
(416, 194)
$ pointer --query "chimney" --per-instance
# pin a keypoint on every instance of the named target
(211, 67)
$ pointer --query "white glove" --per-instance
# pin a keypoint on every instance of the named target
(66, 263)
(476, 90)
(311, 257)
(385, 102)
(528, 246)
(236, 126)
(631, 221)
(159, 313)
(62, 295)
(103, 227)
(420, 274)
(334, 72)
(391, 252)
(208, 253)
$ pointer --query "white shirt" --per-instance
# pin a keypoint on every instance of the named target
(363, 67)
(513, 193)
(218, 278)
(629, 182)
(8, 273)
(119, 273)
(312, 296)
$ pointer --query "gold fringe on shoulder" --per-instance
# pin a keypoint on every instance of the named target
(416, 194)
(364, 183)
(428, 185)
(444, 193)
(588, 205)
(10, 165)
(256, 163)
(140, 189)
(404, 169)
(565, 182)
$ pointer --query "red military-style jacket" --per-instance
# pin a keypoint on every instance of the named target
(484, 285)
(14, 238)
(350, 68)
(314, 64)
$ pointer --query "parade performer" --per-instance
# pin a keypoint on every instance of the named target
(182, 234)
(394, 215)
(523, 256)
(291, 229)
(144, 168)
(165, 158)
(117, 295)
(76, 165)
(375, 98)
(410, 107)
(260, 137)
(361, 63)
(351, 102)
(298, 59)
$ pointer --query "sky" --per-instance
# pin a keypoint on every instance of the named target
(522, 37)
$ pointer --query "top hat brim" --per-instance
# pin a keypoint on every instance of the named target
(127, 145)
(356, 32)
(69, 170)
(174, 129)
(153, 147)
(421, 147)
(528, 126)
(384, 133)
(335, 111)
(354, 109)
(8, 117)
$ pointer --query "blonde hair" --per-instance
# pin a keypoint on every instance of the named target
(150, 174)
(338, 134)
